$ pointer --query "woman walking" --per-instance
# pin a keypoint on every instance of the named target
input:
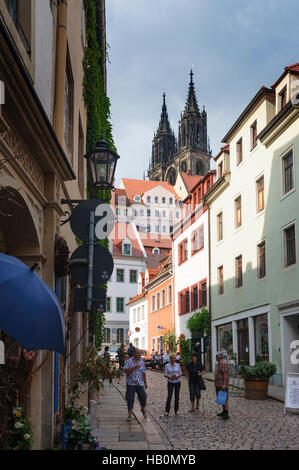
(173, 373)
(195, 369)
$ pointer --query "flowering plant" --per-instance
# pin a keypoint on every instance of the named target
(19, 432)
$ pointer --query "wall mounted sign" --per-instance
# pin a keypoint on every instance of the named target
(104, 219)
(102, 265)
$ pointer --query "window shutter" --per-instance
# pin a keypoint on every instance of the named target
(199, 295)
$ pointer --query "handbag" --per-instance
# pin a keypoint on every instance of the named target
(221, 398)
(201, 382)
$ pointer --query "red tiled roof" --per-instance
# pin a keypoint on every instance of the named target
(190, 180)
(134, 187)
(120, 232)
(294, 68)
(117, 194)
(138, 296)
(159, 243)
(225, 148)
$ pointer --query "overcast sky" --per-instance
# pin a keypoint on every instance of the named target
(236, 46)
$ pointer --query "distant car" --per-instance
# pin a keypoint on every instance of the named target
(113, 353)
(147, 358)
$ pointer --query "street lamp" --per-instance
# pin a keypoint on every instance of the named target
(101, 162)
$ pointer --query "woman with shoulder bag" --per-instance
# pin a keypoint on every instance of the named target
(195, 369)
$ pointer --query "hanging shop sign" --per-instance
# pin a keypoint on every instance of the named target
(102, 265)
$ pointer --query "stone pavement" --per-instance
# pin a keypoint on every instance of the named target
(109, 425)
(252, 424)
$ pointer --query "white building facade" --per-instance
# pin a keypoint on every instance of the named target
(253, 232)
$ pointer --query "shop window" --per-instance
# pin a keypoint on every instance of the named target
(225, 339)
(261, 337)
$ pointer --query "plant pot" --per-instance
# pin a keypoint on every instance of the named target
(256, 388)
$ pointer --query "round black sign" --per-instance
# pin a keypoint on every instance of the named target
(104, 219)
(102, 265)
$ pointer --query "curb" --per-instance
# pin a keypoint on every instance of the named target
(154, 436)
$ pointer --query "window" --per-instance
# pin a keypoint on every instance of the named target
(261, 260)
(120, 303)
(148, 199)
(138, 314)
(156, 251)
(68, 106)
(219, 227)
(194, 298)
(137, 199)
(187, 301)
(282, 98)
(153, 303)
(134, 315)
(148, 228)
(169, 294)
(142, 312)
(195, 243)
(142, 212)
(238, 267)
(238, 212)
(220, 169)
(133, 276)
(127, 249)
(108, 304)
(164, 229)
(260, 194)
(239, 151)
(157, 229)
(225, 339)
(243, 341)
(181, 302)
(183, 251)
(158, 301)
(290, 245)
(120, 275)
(261, 337)
(220, 280)
(201, 237)
(117, 211)
(170, 200)
(156, 199)
(148, 212)
(81, 176)
(288, 171)
(20, 13)
(156, 213)
(253, 135)
(163, 298)
(107, 336)
(120, 335)
(163, 200)
(163, 213)
(204, 293)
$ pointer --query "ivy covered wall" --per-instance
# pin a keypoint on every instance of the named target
(98, 119)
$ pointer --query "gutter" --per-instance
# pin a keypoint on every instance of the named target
(35, 96)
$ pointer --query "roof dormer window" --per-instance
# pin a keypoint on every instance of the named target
(282, 97)
(127, 248)
(156, 251)
(137, 198)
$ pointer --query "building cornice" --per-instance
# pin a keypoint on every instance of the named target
(218, 187)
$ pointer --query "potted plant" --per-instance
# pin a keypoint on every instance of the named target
(80, 438)
(186, 353)
(256, 379)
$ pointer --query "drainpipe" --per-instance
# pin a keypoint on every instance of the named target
(210, 297)
(61, 44)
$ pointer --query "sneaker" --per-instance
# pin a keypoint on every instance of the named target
(225, 417)
(166, 414)
(129, 419)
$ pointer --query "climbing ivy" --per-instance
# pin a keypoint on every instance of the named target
(98, 120)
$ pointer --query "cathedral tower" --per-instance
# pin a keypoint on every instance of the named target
(163, 148)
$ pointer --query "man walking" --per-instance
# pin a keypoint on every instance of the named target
(130, 350)
(222, 381)
(136, 382)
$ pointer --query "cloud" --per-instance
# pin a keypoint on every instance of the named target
(235, 46)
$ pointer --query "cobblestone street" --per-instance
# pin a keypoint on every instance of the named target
(252, 424)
